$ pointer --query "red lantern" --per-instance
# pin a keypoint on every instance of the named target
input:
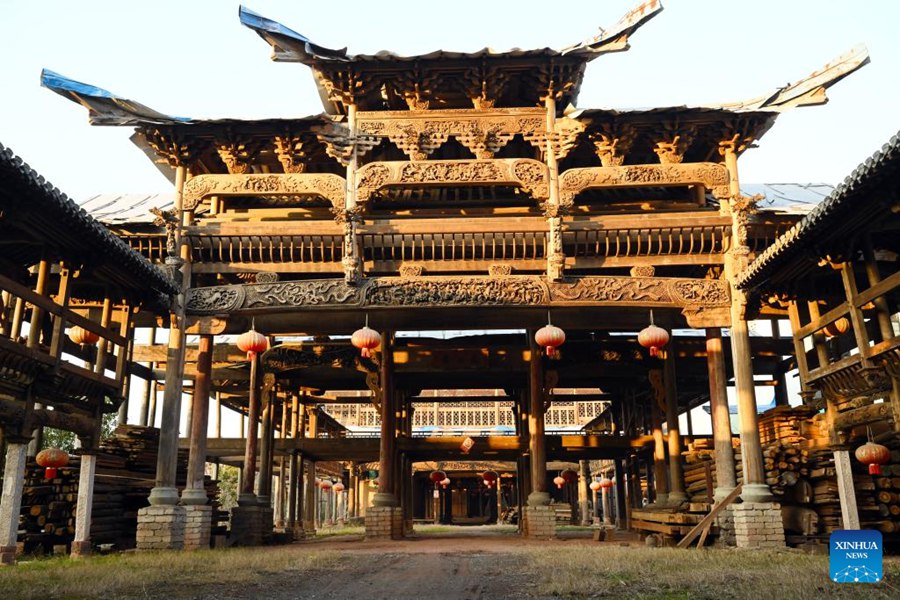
(569, 476)
(653, 337)
(489, 478)
(445, 482)
(874, 455)
(559, 481)
(52, 459)
(365, 339)
(605, 482)
(326, 485)
(550, 337)
(838, 327)
(437, 476)
(338, 488)
(82, 336)
(252, 342)
(595, 485)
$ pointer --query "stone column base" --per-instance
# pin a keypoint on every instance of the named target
(384, 523)
(539, 522)
(7, 555)
(245, 526)
(161, 527)
(266, 524)
(197, 526)
(725, 523)
(82, 548)
(758, 525)
(299, 532)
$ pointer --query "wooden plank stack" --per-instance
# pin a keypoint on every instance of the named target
(700, 468)
(126, 471)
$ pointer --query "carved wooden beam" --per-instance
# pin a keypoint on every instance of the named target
(529, 174)
(524, 291)
(327, 185)
(713, 176)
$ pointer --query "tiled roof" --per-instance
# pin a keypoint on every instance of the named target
(831, 218)
(24, 192)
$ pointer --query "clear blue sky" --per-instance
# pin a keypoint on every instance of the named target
(193, 58)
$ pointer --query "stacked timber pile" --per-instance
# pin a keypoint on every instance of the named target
(700, 468)
(47, 517)
(125, 474)
(786, 468)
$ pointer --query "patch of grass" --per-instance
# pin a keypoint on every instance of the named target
(150, 573)
(638, 572)
(467, 530)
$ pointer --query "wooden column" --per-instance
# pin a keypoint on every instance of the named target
(583, 480)
(351, 262)
(247, 497)
(781, 395)
(264, 496)
(33, 341)
(352, 491)
(621, 510)
(143, 417)
(754, 486)
(388, 447)
(660, 477)
(195, 492)
(552, 212)
(81, 545)
(165, 492)
(536, 448)
(676, 471)
(721, 419)
(294, 464)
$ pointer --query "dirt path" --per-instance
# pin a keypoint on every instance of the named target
(465, 567)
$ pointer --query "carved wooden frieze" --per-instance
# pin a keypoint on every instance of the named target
(484, 132)
(511, 290)
(456, 291)
(629, 290)
(529, 174)
(713, 176)
(286, 357)
(327, 185)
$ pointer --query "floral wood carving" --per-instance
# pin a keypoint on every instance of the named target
(529, 174)
(712, 175)
(327, 185)
(509, 290)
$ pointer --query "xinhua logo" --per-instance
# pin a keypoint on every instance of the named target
(856, 556)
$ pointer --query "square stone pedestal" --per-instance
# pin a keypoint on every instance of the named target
(161, 527)
(197, 526)
(266, 525)
(81, 549)
(725, 523)
(245, 526)
(758, 525)
(7, 555)
(539, 522)
(384, 523)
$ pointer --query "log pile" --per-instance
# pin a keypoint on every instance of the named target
(125, 474)
(47, 517)
(700, 468)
